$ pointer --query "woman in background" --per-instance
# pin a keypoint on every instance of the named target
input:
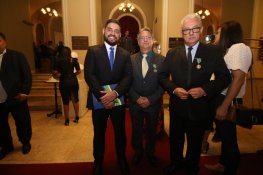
(68, 82)
(238, 59)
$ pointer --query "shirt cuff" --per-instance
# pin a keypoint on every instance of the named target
(116, 93)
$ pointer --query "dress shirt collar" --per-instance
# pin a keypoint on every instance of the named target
(109, 46)
(193, 50)
(1, 57)
(1, 54)
(149, 54)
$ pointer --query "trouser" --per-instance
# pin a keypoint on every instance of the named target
(99, 119)
(230, 155)
(138, 115)
(194, 130)
(21, 115)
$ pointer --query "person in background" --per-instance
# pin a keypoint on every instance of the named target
(108, 73)
(156, 47)
(126, 42)
(145, 97)
(238, 58)
(68, 82)
(15, 85)
(185, 75)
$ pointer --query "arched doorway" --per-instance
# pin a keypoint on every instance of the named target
(129, 23)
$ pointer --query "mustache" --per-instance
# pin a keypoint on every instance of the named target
(112, 36)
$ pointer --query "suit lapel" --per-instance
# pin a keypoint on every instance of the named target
(105, 57)
(138, 62)
(117, 58)
(198, 55)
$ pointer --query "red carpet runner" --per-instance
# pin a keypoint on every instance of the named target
(250, 163)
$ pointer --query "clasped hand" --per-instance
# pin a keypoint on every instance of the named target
(143, 102)
(108, 99)
(21, 97)
(194, 92)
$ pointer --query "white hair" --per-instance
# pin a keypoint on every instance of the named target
(191, 16)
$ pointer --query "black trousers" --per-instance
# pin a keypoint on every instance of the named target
(99, 119)
(21, 115)
(230, 155)
(138, 115)
(194, 131)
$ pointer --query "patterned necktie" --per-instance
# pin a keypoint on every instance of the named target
(189, 61)
(144, 65)
(111, 57)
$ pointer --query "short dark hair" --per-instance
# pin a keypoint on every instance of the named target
(112, 21)
(2, 36)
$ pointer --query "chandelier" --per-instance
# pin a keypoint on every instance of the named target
(126, 6)
(49, 11)
(204, 12)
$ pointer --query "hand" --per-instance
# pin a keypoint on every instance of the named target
(21, 97)
(56, 74)
(109, 105)
(197, 92)
(143, 102)
(221, 113)
(108, 98)
(181, 93)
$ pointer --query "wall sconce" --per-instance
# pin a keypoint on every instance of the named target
(49, 11)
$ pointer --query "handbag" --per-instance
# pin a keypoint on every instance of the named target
(244, 116)
(231, 113)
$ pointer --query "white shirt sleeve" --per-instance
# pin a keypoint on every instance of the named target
(239, 56)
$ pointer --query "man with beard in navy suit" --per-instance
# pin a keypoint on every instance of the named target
(107, 71)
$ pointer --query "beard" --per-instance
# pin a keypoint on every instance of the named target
(110, 42)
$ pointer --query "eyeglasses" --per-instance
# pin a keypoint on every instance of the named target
(193, 30)
(142, 38)
(110, 30)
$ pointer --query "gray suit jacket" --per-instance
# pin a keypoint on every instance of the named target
(149, 85)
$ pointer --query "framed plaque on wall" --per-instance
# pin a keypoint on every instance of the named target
(80, 42)
(175, 41)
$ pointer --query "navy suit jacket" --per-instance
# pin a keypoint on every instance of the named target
(97, 71)
(174, 74)
(149, 85)
(15, 74)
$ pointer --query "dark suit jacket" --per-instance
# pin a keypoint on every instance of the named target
(149, 85)
(15, 74)
(97, 71)
(175, 65)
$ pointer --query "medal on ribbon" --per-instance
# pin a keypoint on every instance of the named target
(198, 60)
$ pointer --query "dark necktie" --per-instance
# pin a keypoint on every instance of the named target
(189, 67)
(111, 57)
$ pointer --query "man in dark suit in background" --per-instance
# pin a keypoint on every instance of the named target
(101, 70)
(190, 67)
(145, 96)
(15, 85)
(126, 42)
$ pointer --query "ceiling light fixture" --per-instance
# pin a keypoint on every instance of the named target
(203, 13)
(126, 6)
(49, 11)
